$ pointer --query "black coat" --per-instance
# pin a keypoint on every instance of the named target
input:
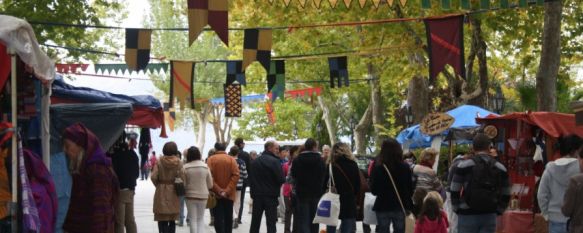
(126, 167)
(382, 187)
(347, 181)
(308, 172)
(266, 176)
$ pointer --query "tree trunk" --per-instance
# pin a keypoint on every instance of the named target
(361, 129)
(203, 119)
(418, 97)
(481, 47)
(328, 120)
(376, 103)
(550, 59)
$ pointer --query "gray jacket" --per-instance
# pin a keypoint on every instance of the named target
(553, 185)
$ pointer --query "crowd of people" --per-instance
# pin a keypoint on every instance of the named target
(294, 179)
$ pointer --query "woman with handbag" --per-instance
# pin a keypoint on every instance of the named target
(391, 182)
(347, 183)
(164, 176)
(197, 182)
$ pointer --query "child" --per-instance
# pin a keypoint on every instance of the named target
(432, 219)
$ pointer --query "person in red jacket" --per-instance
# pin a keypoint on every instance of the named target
(432, 219)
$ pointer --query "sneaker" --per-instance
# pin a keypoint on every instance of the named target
(235, 225)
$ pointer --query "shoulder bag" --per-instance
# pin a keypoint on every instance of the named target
(329, 205)
(409, 218)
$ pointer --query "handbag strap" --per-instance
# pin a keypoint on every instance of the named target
(396, 191)
(331, 182)
(345, 176)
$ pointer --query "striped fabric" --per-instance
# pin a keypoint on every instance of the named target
(242, 173)
(30, 218)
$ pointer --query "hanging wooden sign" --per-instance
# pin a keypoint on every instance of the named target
(436, 123)
(491, 131)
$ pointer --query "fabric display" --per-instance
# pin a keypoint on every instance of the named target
(233, 105)
(169, 116)
(257, 47)
(122, 68)
(181, 83)
(445, 39)
(338, 71)
(43, 191)
(215, 13)
(70, 68)
(276, 80)
(30, 216)
(137, 54)
(235, 72)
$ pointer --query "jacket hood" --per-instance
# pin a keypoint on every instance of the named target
(170, 161)
(562, 169)
(196, 163)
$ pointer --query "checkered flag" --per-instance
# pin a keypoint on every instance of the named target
(235, 73)
(137, 54)
(257, 47)
(212, 12)
(276, 80)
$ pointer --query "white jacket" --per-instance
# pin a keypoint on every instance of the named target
(197, 179)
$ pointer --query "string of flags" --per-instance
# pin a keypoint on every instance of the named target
(425, 4)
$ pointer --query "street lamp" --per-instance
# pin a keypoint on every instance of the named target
(408, 115)
(498, 100)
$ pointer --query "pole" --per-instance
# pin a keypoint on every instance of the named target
(14, 110)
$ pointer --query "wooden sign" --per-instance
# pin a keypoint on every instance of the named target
(436, 123)
(491, 131)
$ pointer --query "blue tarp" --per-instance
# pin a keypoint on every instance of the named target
(62, 90)
(465, 117)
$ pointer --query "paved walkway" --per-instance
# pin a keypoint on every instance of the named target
(144, 200)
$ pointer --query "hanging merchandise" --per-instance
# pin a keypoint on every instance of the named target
(215, 13)
(5, 194)
(117, 68)
(43, 191)
(5, 65)
(338, 71)
(137, 54)
(276, 80)
(181, 83)
(169, 116)
(70, 68)
(233, 105)
(445, 39)
(235, 72)
(257, 47)
(30, 217)
(145, 145)
(270, 112)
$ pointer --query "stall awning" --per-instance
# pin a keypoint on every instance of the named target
(554, 124)
(577, 107)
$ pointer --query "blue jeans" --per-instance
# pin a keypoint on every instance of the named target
(305, 213)
(346, 226)
(480, 223)
(557, 227)
(182, 206)
(385, 219)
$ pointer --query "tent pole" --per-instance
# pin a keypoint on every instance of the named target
(14, 113)
(45, 132)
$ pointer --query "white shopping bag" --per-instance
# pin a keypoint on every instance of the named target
(328, 206)
(370, 217)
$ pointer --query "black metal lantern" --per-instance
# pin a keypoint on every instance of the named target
(498, 101)
(408, 115)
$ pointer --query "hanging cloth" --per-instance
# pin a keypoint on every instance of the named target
(30, 217)
(43, 191)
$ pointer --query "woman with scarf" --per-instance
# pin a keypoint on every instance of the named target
(166, 202)
(95, 185)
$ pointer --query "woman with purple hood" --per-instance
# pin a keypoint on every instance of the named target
(95, 185)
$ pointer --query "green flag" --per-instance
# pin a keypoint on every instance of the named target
(466, 4)
(485, 4)
(503, 3)
(540, 2)
(522, 3)
(445, 4)
(426, 4)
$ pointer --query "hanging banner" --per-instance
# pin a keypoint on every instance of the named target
(181, 83)
(70, 68)
(338, 71)
(270, 112)
(215, 13)
(299, 93)
(233, 104)
(137, 54)
(257, 47)
(235, 73)
(445, 39)
(276, 80)
(122, 68)
(169, 116)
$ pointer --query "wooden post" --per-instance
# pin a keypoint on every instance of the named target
(14, 113)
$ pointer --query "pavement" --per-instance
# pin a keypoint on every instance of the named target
(144, 202)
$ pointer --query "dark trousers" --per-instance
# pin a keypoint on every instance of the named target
(289, 210)
(145, 173)
(166, 227)
(224, 216)
(242, 202)
(305, 211)
(267, 205)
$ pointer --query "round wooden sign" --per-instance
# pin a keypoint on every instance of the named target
(436, 123)
(491, 131)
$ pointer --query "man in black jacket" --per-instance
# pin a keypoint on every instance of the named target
(126, 167)
(246, 158)
(308, 172)
(266, 178)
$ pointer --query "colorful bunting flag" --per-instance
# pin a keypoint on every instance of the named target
(270, 112)
(181, 80)
(302, 3)
(257, 47)
(137, 54)
(466, 4)
(426, 4)
(169, 116)
(390, 2)
(233, 105)
(338, 71)
(333, 3)
(347, 3)
(235, 73)
(445, 4)
(362, 3)
(299, 93)
(71, 68)
(485, 4)
(445, 39)
(317, 3)
(286, 2)
(117, 68)
(403, 2)
(215, 13)
(276, 80)
(504, 4)
(522, 3)
(376, 3)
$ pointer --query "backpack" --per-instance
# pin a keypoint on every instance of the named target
(483, 190)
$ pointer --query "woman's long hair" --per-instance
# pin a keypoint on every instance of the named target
(391, 153)
(340, 149)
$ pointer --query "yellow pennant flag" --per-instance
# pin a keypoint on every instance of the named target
(390, 2)
(317, 3)
(403, 2)
(362, 3)
(347, 3)
(376, 3)
(271, 1)
(333, 3)
(302, 3)
(286, 2)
